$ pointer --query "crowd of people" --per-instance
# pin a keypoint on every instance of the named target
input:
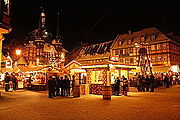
(59, 86)
(10, 82)
(150, 82)
(121, 86)
(145, 83)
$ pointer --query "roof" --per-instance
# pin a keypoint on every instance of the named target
(22, 61)
(95, 51)
(49, 48)
(135, 38)
(3, 58)
(31, 69)
(3, 70)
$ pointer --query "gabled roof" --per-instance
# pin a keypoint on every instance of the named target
(135, 37)
(73, 61)
(22, 61)
(3, 58)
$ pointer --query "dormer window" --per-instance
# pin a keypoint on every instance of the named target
(129, 41)
(120, 42)
(153, 37)
(143, 38)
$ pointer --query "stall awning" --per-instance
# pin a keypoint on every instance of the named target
(3, 70)
(161, 68)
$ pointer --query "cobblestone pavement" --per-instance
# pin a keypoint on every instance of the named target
(164, 104)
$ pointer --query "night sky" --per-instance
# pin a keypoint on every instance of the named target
(92, 21)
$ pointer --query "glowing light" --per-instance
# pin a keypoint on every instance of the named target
(175, 68)
(18, 52)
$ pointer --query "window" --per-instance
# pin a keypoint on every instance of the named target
(129, 41)
(121, 52)
(97, 77)
(120, 42)
(130, 50)
(5, 5)
(143, 38)
(153, 47)
(153, 37)
(131, 60)
(121, 60)
(117, 52)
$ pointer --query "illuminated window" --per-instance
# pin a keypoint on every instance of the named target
(143, 38)
(120, 42)
(131, 60)
(121, 60)
(97, 77)
(117, 52)
(129, 41)
(121, 52)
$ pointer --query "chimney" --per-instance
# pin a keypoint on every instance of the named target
(129, 32)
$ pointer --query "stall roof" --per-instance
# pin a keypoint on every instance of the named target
(31, 69)
(3, 70)
(161, 68)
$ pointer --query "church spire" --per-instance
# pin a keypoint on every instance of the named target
(58, 37)
(41, 27)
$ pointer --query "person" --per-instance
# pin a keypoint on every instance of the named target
(66, 86)
(61, 86)
(147, 79)
(117, 85)
(142, 83)
(57, 86)
(14, 81)
(51, 86)
(125, 87)
(7, 80)
(138, 83)
(152, 83)
(166, 80)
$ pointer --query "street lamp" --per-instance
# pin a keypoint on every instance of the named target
(18, 52)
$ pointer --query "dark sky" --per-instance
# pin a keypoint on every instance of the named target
(93, 21)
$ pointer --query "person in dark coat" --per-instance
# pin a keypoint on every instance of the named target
(152, 83)
(142, 83)
(61, 86)
(14, 81)
(66, 86)
(56, 85)
(51, 86)
(147, 79)
(125, 85)
(166, 80)
(7, 80)
(138, 83)
(116, 87)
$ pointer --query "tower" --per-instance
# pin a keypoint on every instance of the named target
(57, 42)
(39, 40)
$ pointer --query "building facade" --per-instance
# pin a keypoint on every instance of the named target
(5, 26)
(41, 49)
(163, 49)
(101, 64)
